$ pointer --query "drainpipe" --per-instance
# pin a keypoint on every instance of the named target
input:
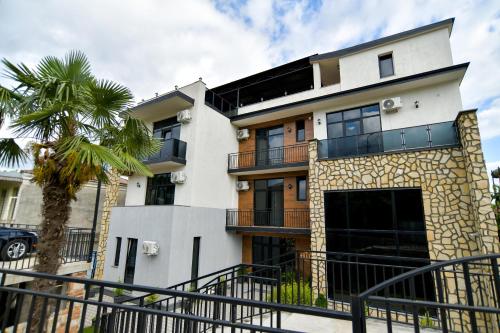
(94, 222)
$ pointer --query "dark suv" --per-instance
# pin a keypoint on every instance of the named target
(15, 243)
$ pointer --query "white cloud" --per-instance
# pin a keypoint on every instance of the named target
(489, 121)
(152, 45)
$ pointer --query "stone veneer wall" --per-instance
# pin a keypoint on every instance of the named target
(458, 215)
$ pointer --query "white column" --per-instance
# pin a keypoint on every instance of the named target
(317, 76)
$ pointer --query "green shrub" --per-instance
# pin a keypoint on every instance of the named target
(288, 277)
(119, 291)
(151, 298)
(426, 321)
(289, 293)
(321, 301)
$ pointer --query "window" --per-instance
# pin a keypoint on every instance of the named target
(301, 130)
(302, 188)
(195, 261)
(160, 190)
(362, 120)
(117, 251)
(385, 65)
(130, 262)
(167, 129)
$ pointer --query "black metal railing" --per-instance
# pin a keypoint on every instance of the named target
(88, 308)
(171, 150)
(220, 104)
(467, 297)
(76, 246)
(286, 218)
(410, 138)
(269, 158)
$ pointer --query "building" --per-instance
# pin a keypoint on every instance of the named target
(21, 201)
(362, 150)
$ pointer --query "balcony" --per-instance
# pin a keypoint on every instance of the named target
(289, 221)
(431, 136)
(290, 158)
(173, 152)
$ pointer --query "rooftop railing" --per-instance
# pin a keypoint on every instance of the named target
(411, 138)
(172, 150)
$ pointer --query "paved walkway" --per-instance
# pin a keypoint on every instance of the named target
(304, 323)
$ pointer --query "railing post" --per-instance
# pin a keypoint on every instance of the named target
(470, 299)
(233, 306)
(278, 299)
(357, 315)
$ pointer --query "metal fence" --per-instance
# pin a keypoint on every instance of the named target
(92, 311)
(76, 247)
(287, 218)
(269, 158)
(466, 297)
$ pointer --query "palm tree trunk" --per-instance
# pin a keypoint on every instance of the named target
(56, 210)
(112, 192)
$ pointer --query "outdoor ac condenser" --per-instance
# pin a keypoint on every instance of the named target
(178, 177)
(243, 134)
(184, 116)
(242, 185)
(150, 248)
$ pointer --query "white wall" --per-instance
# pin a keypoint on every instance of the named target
(437, 103)
(418, 54)
(210, 137)
(174, 228)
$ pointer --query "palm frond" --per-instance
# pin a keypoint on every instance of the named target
(133, 165)
(11, 154)
(104, 101)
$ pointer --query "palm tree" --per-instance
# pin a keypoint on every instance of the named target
(132, 138)
(65, 111)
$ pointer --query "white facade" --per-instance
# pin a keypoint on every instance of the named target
(209, 137)
(173, 228)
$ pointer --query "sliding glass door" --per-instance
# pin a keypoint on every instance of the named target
(269, 146)
(268, 202)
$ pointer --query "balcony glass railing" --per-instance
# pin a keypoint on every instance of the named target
(281, 218)
(419, 137)
(172, 150)
(269, 158)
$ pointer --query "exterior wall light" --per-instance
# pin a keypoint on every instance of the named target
(416, 104)
(290, 186)
(319, 121)
(138, 184)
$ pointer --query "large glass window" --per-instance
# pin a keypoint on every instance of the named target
(268, 202)
(160, 190)
(269, 146)
(117, 251)
(354, 131)
(376, 222)
(167, 129)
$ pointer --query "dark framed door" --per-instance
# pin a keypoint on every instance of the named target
(269, 146)
(268, 202)
(272, 250)
(130, 261)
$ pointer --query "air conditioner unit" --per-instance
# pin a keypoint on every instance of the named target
(242, 186)
(150, 248)
(243, 134)
(184, 116)
(178, 177)
(391, 105)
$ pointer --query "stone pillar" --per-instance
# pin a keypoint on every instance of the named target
(317, 215)
(486, 230)
(477, 178)
(112, 191)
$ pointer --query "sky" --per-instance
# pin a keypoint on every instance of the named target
(151, 45)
